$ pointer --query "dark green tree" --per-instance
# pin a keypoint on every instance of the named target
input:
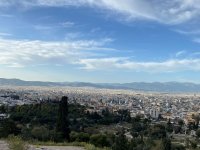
(99, 140)
(197, 119)
(8, 127)
(166, 144)
(193, 144)
(158, 131)
(169, 126)
(180, 122)
(3, 109)
(198, 133)
(121, 142)
(63, 120)
(139, 127)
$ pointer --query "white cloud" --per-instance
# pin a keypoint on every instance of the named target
(164, 11)
(6, 15)
(114, 63)
(188, 32)
(180, 53)
(22, 53)
(42, 27)
(67, 24)
(19, 53)
(197, 40)
(5, 34)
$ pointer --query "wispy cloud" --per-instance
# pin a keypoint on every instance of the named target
(42, 27)
(18, 53)
(6, 15)
(197, 40)
(180, 53)
(5, 34)
(67, 24)
(84, 55)
(171, 65)
(188, 32)
(168, 11)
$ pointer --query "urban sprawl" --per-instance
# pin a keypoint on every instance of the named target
(148, 104)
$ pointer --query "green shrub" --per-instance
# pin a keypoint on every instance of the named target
(16, 143)
(92, 147)
(178, 147)
(40, 133)
(99, 140)
(79, 137)
(8, 127)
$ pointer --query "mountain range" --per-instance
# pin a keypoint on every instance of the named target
(139, 86)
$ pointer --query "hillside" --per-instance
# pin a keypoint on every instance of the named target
(141, 86)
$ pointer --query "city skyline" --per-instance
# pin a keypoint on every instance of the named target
(100, 41)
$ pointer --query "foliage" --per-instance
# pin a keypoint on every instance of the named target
(178, 147)
(8, 127)
(166, 144)
(139, 127)
(180, 122)
(99, 140)
(169, 126)
(63, 120)
(79, 137)
(46, 122)
(158, 131)
(40, 133)
(16, 143)
(121, 142)
(198, 133)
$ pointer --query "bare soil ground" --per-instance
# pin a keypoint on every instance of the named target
(3, 145)
(55, 148)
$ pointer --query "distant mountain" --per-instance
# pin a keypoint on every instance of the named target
(140, 86)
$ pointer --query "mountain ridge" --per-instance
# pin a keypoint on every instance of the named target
(140, 86)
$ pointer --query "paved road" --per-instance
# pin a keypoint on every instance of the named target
(56, 148)
(3, 145)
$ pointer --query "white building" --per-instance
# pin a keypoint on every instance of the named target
(155, 112)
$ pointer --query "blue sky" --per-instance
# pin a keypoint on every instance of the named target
(100, 41)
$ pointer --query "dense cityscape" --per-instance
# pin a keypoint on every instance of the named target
(165, 105)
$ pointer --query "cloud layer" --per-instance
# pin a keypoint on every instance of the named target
(164, 11)
(19, 53)
(86, 54)
(83, 54)
(171, 65)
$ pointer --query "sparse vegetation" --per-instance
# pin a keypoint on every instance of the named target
(16, 143)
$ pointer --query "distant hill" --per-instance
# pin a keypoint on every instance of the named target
(141, 86)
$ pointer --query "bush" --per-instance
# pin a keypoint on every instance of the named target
(40, 133)
(99, 140)
(92, 147)
(8, 127)
(55, 136)
(26, 133)
(178, 147)
(80, 137)
(16, 143)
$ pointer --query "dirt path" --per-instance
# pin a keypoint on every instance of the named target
(3, 145)
(55, 148)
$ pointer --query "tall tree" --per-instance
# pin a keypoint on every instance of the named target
(121, 142)
(166, 144)
(63, 120)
